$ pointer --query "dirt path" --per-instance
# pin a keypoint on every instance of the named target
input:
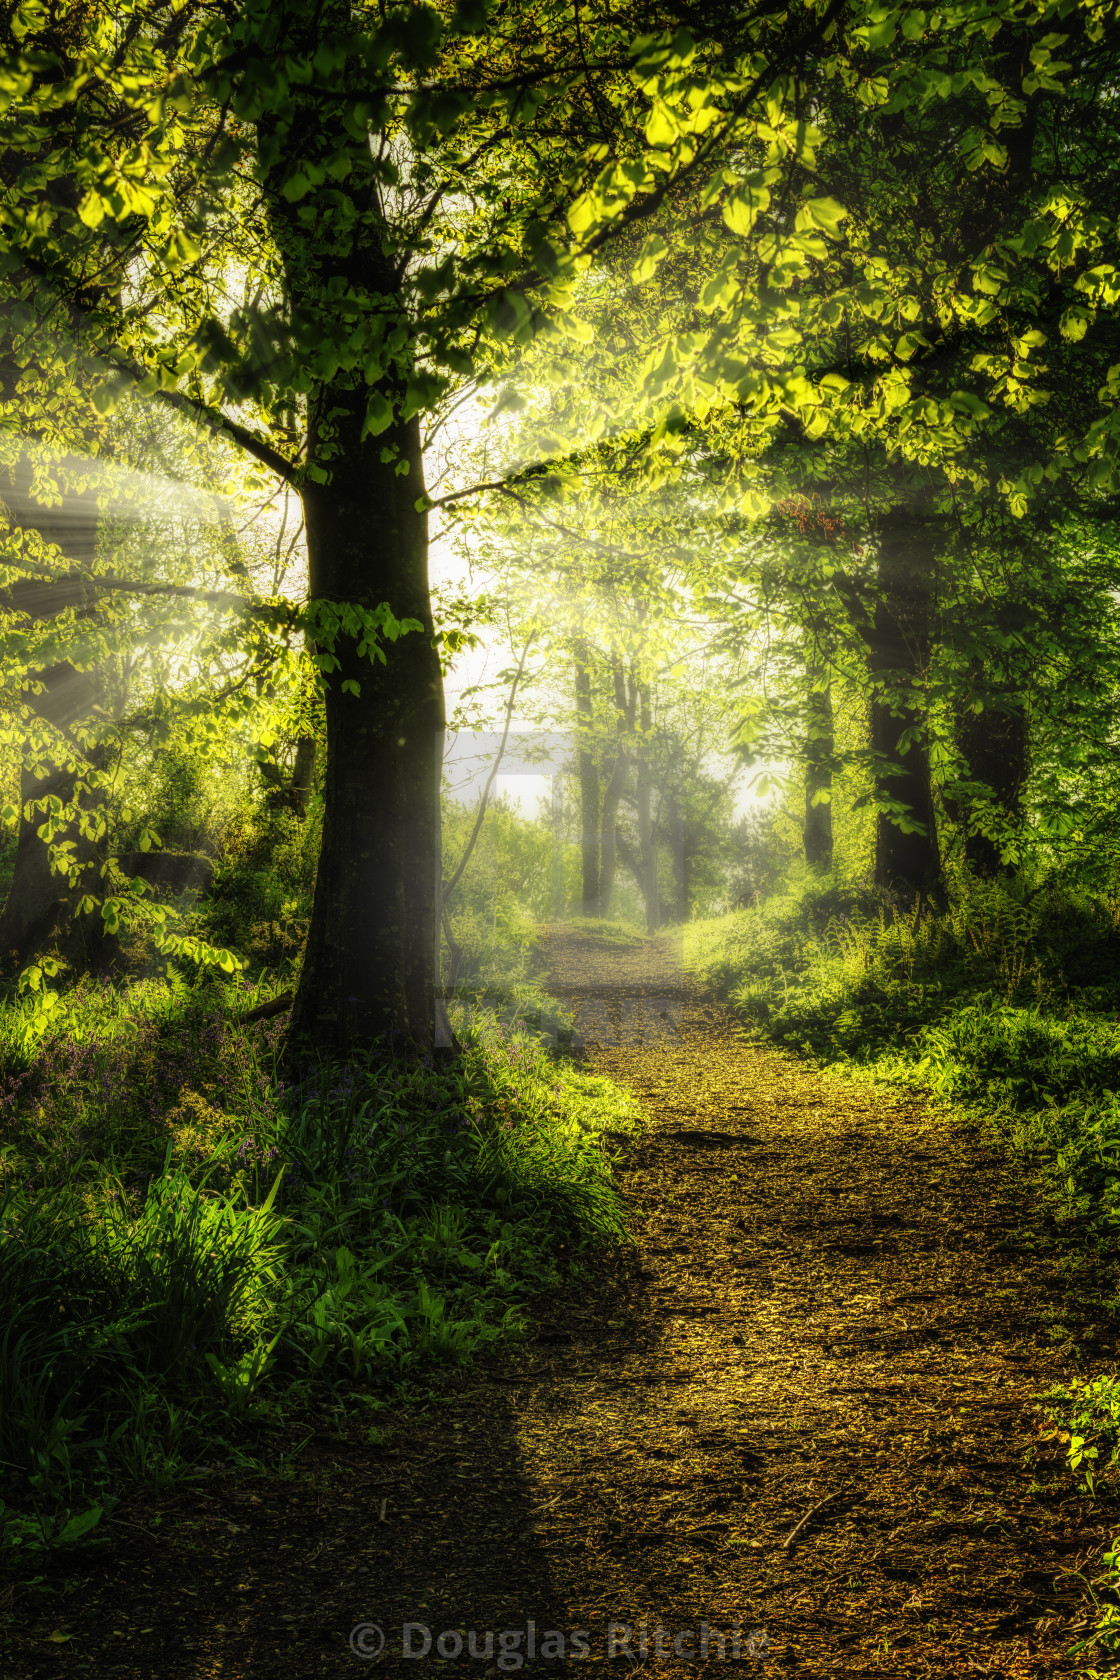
(834, 1313)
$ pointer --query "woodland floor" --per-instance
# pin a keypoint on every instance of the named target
(835, 1296)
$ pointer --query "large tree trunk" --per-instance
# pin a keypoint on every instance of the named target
(818, 780)
(368, 972)
(588, 783)
(907, 859)
(369, 969)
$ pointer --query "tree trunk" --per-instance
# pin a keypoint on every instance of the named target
(557, 850)
(588, 784)
(369, 968)
(907, 858)
(303, 775)
(291, 792)
(612, 793)
(627, 857)
(995, 745)
(34, 909)
(647, 844)
(680, 864)
(608, 856)
(368, 971)
(818, 780)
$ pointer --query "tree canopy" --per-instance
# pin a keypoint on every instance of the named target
(847, 258)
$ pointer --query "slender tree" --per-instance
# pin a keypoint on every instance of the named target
(819, 749)
(589, 811)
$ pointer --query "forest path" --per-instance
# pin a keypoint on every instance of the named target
(833, 1312)
(836, 1297)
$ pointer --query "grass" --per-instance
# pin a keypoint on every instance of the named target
(611, 934)
(192, 1246)
(1004, 1003)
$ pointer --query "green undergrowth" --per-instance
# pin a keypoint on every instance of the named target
(194, 1243)
(612, 935)
(1004, 1003)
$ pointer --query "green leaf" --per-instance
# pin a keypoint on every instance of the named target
(649, 257)
(423, 391)
(105, 396)
(967, 403)
(75, 1528)
(583, 213)
(182, 249)
(92, 212)
(470, 16)
(662, 128)
(577, 329)
(379, 414)
(743, 208)
(823, 213)
(297, 186)
(509, 313)
(510, 401)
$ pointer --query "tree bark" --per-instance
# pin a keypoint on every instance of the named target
(291, 792)
(588, 783)
(907, 857)
(368, 970)
(303, 775)
(818, 780)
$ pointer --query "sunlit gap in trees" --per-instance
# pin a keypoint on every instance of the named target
(182, 556)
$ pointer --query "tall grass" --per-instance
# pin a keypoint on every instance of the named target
(189, 1238)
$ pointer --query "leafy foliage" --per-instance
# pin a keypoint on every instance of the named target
(187, 1240)
(1000, 1003)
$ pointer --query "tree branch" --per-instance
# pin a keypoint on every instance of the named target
(137, 586)
(222, 426)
